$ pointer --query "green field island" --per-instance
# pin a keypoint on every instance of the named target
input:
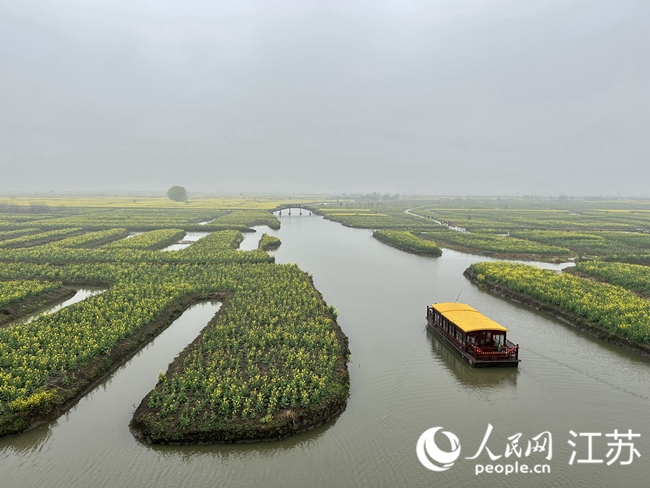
(272, 362)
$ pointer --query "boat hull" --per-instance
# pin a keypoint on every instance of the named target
(471, 359)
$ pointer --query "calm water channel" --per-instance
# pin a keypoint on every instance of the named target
(80, 295)
(189, 238)
(404, 381)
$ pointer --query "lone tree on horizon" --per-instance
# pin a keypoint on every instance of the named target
(177, 194)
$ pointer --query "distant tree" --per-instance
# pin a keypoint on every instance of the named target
(177, 194)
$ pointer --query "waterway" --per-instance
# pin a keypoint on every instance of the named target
(188, 240)
(80, 295)
(403, 382)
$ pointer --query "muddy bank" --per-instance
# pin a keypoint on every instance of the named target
(66, 392)
(563, 315)
(34, 304)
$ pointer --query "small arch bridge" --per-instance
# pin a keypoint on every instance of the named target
(301, 207)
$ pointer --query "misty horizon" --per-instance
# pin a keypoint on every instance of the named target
(443, 98)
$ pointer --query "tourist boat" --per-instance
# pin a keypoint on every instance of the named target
(480, 340)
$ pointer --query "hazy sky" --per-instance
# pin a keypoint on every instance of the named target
(431, 97)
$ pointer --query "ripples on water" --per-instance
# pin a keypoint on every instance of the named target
(403, 381)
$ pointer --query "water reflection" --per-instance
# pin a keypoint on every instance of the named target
(242, 451)
(189, 239)
(252, 239)
(30, 442)
(80, 295)
(472, 378)
(112, 397)
(403, 381)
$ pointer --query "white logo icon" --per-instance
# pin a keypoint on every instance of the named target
(427, 450)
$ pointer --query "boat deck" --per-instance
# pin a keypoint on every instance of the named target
(480, 357)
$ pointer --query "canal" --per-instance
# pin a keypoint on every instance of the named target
(403, 382)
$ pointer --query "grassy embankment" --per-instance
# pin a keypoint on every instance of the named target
(268, 243)
(552, 230)
(20, 298)
(607, 311)
(407, 241)
(273, 324)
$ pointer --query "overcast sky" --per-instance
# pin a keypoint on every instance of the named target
(431, 97)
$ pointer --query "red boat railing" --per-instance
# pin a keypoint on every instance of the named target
(509, 351)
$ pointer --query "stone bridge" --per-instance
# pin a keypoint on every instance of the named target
(301, 207)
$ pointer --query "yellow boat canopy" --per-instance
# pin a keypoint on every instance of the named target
(467, 318)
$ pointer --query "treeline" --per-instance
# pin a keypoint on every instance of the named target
(34, 208)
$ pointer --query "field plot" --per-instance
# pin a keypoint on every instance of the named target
(155, 239)
(272, 362)
(407, 241)
(14, 291)
(607, 308)
(550, 230)
(496, 244)
(268, 243)
(39, 238)
(11, 234)
(630, 276)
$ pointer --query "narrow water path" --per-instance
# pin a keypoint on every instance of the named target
(252, 239)
(187, 241)
(80, 295)
(403, 381)
(91, 445)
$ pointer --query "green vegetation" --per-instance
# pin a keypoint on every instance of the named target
(591, 243)
(494, 243)
(273, 323)
(630, 276)
(38, 239)
(155, 239)
(521, 215)
(198, 252)
(400, 221)
(10, 234)
(249, 218)
(270, 362)
(550, 229)
(177, 194)
(16, 290)
(408, 242)
(268, 242)
(92, 239)
(607, 307)
(273, 360)
(213, 244)
(141, 219)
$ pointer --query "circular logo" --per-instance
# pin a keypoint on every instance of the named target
(428, 451)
